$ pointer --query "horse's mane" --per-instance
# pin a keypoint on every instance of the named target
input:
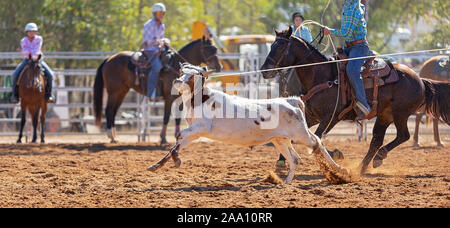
(311, 47)
(193, 43)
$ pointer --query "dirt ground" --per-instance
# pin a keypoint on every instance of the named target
(215, 175)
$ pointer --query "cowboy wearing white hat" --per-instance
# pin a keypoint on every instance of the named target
(31, 45)
(153, 42)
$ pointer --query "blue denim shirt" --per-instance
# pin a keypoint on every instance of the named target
(303, 33)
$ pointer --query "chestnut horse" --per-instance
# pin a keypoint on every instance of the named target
(427, 72)
(32, 97)
(116, 75)
(396, 101)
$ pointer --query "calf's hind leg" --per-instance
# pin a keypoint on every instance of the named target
(284, 146)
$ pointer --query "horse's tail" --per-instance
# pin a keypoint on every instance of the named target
(98, 94)
(437, 102)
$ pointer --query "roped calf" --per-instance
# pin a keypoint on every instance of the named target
(245, 122)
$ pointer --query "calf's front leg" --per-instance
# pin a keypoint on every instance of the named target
(185, 137)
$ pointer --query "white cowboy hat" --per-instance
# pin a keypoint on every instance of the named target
(31, 27)
(158, 7)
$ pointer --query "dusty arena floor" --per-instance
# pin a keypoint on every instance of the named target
(214, 175)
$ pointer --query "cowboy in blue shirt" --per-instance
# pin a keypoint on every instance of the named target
(354, 31)
(303, 32)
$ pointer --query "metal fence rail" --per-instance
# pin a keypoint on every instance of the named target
(143, 107)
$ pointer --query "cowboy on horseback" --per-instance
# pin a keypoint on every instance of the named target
(31, 46)
(153, 42)
(354, 31)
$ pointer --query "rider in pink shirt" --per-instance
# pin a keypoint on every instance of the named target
(31, 45)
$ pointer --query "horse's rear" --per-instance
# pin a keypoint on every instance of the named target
(400, 100)
(115, 76)
(431, 70)
(32, 96)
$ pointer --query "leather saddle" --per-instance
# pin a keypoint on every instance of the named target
(140, 61)
(140, 64)
(376, 72)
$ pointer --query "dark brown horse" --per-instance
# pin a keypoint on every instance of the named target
(32, 97)
(116, 75)
(428, 72)
(396, 102)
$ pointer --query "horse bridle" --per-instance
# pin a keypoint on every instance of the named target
(277, 65)
(285, 53)
(202, 52)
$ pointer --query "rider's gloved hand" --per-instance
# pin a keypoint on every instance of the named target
(326, 31)
(166, 41)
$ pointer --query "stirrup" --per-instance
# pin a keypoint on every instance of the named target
(50, 99)
(14, 100)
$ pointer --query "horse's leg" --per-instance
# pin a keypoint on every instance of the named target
(401, 124)
(114, 102)
(178, 122)
(416, 130)
(379, 131)
(35, 117)
(167, 112)
(43, 113)
(22, 122)
(437, 137)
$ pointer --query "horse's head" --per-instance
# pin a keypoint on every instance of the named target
(279, 53)
(192, 79)
(34, 68)
(209, 55)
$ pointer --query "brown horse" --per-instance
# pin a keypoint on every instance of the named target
(428, 72)
(396, 102)
(116, 75)
(32, 96)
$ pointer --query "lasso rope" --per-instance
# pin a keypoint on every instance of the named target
(326, 62)
(329, 41)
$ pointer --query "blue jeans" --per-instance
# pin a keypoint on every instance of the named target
(354, 70)
(153, 76)
(47, 72)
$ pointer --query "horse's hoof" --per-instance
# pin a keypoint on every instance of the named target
(416, 145)
(377, 163)
(362, 168)
(153, 168)
(114, 141)
(336, 155)
(42, 141)
(440, 145)
(177, 163)
(164, 142)
(19, 141)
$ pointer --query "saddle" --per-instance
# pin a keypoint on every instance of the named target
(140, 64)
(442, 66)
(376, 72)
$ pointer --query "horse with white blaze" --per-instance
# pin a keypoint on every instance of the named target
(245, 122)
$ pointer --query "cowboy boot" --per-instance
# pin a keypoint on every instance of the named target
(48, 92)
(15, 95)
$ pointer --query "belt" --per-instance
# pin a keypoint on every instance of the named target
(349, 44)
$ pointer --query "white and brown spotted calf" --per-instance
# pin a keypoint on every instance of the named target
(230, 119)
